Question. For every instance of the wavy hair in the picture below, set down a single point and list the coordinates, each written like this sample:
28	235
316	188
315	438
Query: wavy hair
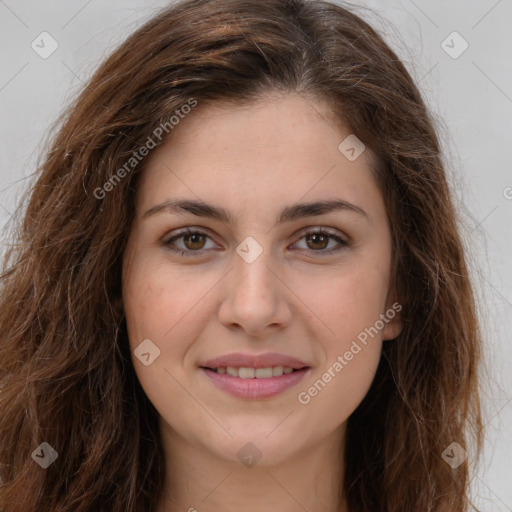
66	374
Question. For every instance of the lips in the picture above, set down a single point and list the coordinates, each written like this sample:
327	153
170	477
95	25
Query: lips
255	376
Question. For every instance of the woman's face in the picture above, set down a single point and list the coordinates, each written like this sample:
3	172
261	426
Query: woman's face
251	290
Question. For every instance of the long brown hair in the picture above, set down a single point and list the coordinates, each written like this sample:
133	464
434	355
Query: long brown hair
66	374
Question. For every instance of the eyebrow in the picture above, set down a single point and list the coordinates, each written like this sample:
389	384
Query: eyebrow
288	214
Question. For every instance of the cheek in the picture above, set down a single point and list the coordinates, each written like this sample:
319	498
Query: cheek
351	307
361	298
158	307
159	301
360	302
346	301
166	305
146	302
351	358
342	385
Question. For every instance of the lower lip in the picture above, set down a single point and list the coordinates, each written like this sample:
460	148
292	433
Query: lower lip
255	388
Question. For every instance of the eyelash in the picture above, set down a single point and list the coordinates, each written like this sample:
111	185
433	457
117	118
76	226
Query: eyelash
317	231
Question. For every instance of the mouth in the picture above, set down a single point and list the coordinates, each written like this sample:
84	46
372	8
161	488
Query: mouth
254	377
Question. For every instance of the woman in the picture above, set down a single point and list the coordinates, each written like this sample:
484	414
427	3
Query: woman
239	281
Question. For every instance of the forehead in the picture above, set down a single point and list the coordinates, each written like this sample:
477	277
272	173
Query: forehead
279	149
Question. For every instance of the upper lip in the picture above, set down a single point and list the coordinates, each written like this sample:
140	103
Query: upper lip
266	360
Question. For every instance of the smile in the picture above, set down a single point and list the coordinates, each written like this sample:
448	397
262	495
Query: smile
245	383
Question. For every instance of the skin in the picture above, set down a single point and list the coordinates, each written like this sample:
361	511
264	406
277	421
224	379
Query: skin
294	299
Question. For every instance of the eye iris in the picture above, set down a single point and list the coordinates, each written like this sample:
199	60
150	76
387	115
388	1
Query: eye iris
195	237
318	238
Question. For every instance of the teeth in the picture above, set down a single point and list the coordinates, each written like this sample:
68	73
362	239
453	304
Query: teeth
246	373
276	371
263	373
254	373
232	371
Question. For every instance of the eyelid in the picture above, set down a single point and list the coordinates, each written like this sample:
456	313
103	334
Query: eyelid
323	230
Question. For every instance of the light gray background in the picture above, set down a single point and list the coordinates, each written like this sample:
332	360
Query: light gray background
471	97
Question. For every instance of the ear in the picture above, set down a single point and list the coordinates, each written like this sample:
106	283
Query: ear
393	319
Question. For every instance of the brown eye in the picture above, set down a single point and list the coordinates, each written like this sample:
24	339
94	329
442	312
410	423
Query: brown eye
188	242
196	241
193	243
317	241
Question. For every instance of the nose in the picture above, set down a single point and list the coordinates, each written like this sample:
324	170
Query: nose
256	298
